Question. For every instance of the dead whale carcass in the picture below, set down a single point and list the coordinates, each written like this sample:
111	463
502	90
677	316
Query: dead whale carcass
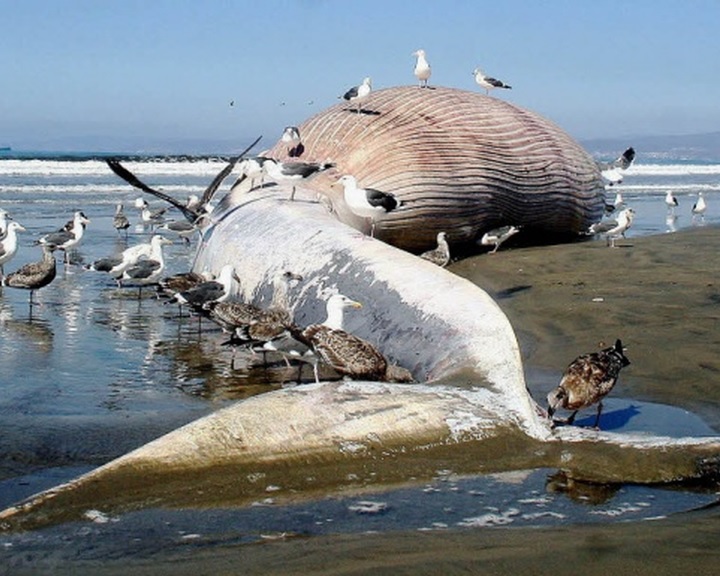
459	162
470	410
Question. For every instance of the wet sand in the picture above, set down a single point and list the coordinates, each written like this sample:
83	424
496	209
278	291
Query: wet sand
660	295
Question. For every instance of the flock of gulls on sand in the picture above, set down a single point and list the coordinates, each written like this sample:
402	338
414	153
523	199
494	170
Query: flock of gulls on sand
586	381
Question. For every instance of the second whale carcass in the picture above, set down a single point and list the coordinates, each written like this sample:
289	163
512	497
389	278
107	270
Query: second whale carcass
460	162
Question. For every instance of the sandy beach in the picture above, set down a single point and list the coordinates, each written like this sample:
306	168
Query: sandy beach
660	295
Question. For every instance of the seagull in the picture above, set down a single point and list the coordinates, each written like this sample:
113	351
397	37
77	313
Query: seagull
34	275
488	82
115	266
149	217
68	237
120	221
587	380
216	290
346	353
359	93
670	201
422	68
182	228
149	270
293	171
699	207
367	202
180	282
4	217
612	172
291	137
498	236
618	200
441	254
9	244
614	228
251	168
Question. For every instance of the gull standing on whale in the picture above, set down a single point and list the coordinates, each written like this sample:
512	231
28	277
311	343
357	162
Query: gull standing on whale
422	68
488	82
359	93
367	202
293	171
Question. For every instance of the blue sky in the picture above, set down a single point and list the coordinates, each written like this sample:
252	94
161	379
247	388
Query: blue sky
79	74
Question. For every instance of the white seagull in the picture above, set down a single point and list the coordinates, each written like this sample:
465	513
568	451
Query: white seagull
251	168
367	202
670	201
699	207
488	82
498	236
614	229
359	93
68	237
293	171
612	172
4	217
422	68
9	245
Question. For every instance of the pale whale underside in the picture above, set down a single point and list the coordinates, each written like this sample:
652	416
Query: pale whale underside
470	410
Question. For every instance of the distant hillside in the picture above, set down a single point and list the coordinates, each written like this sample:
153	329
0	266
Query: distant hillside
704	147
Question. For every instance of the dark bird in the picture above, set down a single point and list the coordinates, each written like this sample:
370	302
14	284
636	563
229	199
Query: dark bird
587	380
439	255
367	202
9	244
359	93
293	171
180	282
215	290
34	275
190	214
347	354
498	236
120	221
488	82
69	236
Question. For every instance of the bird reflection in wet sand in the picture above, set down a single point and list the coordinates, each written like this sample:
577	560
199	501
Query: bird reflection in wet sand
587	380
588	493
34	331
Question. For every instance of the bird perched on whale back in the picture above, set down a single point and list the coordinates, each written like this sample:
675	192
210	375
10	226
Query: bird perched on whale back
587	380
359	93
422	68
367	202
488	82
293	171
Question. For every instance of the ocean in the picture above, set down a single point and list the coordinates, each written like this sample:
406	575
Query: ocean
94	371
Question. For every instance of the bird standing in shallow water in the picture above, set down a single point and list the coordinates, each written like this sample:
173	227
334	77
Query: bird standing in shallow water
439	255
359	93
587	380
671	202
120	221
9	245
367	202
422	68
700	206
34	275
488	82
68	236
